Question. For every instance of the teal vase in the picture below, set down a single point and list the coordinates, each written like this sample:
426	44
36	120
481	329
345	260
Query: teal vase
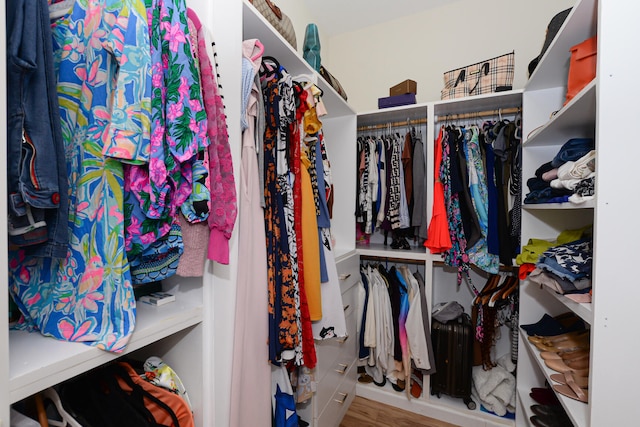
311	48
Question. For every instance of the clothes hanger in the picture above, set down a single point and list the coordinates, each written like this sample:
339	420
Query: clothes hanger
40	410
489	287
307	78
260	47
60	9
269	68
502	292
67	419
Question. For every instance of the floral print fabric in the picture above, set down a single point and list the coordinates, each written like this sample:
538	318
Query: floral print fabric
156	190
101	54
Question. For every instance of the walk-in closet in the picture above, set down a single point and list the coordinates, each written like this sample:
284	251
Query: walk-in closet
508	217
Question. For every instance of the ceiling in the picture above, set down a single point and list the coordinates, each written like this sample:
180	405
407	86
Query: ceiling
341	16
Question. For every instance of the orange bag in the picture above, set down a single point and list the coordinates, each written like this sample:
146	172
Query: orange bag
582	67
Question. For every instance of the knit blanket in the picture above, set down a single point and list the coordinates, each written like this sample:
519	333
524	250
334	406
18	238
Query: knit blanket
495	389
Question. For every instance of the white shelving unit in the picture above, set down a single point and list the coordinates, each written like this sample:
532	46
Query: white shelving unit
440	281
595	112
547	125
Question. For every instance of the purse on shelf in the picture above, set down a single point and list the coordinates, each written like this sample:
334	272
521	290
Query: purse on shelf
552	30
277	19
333	82
491	75
582	67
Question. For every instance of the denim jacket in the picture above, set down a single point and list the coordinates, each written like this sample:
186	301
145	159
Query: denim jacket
36	166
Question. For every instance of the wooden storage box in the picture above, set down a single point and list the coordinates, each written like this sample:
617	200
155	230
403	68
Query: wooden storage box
407	86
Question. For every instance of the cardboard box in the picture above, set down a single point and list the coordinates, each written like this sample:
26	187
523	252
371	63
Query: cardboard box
407	86
394	101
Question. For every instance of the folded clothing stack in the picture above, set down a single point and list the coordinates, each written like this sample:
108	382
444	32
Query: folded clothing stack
566	268
568	177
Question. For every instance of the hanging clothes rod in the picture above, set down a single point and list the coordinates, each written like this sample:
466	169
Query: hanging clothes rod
393	260
449	117
392	124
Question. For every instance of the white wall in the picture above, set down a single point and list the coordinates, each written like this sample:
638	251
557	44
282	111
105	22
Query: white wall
423	46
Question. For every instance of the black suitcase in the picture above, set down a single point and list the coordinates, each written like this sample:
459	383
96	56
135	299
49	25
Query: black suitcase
453	351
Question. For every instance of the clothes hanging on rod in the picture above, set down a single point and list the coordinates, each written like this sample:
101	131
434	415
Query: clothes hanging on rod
476	166
135	167
394	329
301	267
391	196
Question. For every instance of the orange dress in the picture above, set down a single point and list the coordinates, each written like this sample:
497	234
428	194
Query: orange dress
438	238
310	242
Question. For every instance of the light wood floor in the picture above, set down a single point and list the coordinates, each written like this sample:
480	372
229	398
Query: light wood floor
368	413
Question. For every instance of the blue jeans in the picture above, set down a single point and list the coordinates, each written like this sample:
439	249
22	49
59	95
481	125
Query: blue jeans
37	174
572	150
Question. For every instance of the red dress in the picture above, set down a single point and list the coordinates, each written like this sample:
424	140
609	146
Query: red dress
438	238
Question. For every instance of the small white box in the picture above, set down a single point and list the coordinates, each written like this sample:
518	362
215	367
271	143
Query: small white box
158	298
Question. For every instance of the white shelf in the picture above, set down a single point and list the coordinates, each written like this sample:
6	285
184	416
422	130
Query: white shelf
577	411
445	408
486	102
37	362
584	310
382	251
590	204
574	119
393	114
255	26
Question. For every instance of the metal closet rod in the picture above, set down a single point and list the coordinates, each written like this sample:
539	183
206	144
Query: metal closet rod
392	124
458	116
391	259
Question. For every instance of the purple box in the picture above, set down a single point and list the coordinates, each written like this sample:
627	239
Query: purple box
394	101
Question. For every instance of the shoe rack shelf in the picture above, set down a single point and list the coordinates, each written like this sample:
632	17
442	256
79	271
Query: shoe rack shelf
547	124
577	411
584	310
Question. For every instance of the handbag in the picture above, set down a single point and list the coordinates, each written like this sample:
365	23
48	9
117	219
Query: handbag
491	75
277	19
333	82
552	29
582	67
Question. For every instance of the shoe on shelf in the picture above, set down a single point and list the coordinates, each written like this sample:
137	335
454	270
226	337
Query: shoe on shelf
564	355
544	396
565	345
582	382
548	410
550	326
553	339
551	421
572	391
578	367
416	383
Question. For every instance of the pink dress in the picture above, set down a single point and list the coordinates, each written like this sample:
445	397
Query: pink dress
251	370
